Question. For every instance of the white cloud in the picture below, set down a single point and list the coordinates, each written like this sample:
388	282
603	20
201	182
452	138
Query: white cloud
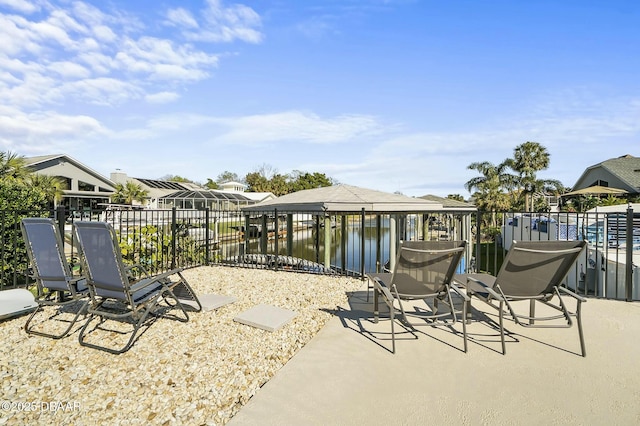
296	126
181	17
225	24
69	51
104	33
48	131
162	97
21	5
68	70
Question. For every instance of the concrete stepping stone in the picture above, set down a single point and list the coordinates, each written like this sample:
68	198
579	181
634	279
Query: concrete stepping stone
266	317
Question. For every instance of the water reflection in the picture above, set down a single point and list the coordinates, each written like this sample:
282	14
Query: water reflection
351	243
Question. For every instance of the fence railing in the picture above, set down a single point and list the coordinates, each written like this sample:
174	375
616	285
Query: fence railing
609	268
351	243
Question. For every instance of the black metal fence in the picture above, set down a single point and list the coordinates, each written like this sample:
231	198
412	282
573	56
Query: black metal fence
352	243
609	268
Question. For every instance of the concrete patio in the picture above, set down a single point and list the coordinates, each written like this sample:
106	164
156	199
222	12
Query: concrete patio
347	375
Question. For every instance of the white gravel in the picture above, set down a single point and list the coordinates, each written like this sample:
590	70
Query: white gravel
200	372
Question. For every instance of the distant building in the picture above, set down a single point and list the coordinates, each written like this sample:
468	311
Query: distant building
84	187
621	173
164	194
233	186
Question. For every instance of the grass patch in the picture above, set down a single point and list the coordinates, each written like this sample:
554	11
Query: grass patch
491	257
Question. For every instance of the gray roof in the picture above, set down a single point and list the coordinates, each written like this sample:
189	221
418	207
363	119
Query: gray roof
207	194
345	198
449	203
41	162
625	168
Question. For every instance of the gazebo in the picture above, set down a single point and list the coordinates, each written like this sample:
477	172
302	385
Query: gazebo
346	199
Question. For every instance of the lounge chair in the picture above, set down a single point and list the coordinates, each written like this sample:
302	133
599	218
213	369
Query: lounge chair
114	295
49	268
532	271
422	270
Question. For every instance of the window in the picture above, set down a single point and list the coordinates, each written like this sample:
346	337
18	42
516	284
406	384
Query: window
83	186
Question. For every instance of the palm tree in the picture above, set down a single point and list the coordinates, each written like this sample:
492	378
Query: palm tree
490	195
129	192
13	166
528	159
51	186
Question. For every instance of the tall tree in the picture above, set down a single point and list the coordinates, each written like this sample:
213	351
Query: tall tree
51	186
490	188
528	159
13	166
304	180
128	193
211	184
227	176
456	197
256	182
176	178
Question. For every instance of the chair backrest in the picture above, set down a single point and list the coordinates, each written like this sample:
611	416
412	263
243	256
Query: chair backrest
432	264
534	268
102	260
45	251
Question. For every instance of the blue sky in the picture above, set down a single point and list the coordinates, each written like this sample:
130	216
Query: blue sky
394	95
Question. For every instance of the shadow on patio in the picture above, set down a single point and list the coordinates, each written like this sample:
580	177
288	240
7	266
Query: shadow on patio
347	374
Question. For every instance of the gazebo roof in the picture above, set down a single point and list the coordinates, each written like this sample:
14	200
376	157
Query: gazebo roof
346	198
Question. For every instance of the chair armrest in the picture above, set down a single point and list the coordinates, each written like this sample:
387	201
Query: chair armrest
379	285
572	294
460	292
45	278
139	267
484	286
145	282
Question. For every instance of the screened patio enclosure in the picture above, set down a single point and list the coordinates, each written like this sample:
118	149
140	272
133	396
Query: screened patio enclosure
204	199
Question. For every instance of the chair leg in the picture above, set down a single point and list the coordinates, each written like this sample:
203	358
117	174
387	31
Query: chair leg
393	334
53	336
376	312
501	315
464	324
127	346
580	332
178	304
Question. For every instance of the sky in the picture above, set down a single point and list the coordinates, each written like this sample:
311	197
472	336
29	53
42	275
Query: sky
393	95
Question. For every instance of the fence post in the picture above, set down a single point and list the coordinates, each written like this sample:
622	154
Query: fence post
628	276
478	242
276	225
60	219
207	248
174	235
362	244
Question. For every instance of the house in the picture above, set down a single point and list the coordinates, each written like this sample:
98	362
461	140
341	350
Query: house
621	173
85	188
164	194
155	188
238	187
233	186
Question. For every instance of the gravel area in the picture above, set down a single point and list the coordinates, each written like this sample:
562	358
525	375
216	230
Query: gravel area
199	372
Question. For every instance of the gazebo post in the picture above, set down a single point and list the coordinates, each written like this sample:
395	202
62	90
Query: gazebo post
392	241
327	241
343	242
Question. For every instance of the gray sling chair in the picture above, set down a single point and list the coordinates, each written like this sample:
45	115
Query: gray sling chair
114	295
423	269
532	271
49	268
